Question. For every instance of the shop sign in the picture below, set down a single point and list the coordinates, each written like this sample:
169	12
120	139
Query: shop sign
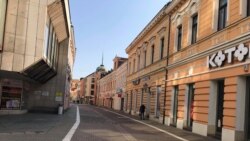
217	60
45	93
59	97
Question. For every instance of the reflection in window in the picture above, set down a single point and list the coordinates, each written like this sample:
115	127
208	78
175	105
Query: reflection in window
222	14
51	45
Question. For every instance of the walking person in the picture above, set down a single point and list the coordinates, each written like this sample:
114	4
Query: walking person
142	111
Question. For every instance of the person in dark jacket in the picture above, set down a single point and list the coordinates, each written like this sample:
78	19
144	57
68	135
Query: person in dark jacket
142	111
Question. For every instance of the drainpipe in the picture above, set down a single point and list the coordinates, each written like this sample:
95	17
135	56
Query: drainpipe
166	76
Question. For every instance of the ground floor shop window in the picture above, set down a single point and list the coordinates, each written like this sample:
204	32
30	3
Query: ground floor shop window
157	105
11	98
247	124
190	107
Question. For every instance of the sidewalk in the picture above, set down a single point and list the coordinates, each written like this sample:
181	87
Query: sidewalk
36	126
178	132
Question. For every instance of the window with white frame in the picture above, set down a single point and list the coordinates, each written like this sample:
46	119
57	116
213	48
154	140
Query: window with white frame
222	15
3	7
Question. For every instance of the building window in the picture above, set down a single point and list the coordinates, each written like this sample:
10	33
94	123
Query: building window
92	92
162	48
92	86
248	7
194	29
138	65
152	53
222	14
145	58
134	65
179	37
3	7
129	70
51	45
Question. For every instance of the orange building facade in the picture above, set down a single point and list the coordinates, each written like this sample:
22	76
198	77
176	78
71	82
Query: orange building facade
207	85
204	73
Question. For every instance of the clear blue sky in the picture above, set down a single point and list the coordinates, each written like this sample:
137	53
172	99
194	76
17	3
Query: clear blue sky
107	26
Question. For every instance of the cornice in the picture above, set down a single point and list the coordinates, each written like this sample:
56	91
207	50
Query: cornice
159	16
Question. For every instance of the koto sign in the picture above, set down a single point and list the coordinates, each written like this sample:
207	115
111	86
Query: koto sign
229	55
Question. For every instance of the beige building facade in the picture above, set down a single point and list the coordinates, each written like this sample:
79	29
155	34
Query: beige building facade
112	85
37	53
121	78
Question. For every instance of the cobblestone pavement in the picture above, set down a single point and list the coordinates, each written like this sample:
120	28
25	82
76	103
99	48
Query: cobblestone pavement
98	124
36	126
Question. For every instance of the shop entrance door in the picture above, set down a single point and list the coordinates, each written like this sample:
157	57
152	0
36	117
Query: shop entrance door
190	106
219	111
175	105
122	103
247	135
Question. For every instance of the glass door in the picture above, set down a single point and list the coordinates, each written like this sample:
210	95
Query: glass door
220	102
122	104
190	106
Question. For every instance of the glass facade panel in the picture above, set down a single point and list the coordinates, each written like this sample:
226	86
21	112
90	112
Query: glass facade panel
3	7
51	46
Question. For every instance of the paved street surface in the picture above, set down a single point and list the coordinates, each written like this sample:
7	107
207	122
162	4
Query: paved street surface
99	124
36	126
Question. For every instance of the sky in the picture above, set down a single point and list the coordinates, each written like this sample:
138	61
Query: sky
108	27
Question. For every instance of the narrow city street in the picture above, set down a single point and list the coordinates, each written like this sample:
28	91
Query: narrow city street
101	125
98	124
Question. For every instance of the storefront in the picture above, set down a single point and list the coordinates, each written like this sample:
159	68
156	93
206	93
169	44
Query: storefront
213	98
11	94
